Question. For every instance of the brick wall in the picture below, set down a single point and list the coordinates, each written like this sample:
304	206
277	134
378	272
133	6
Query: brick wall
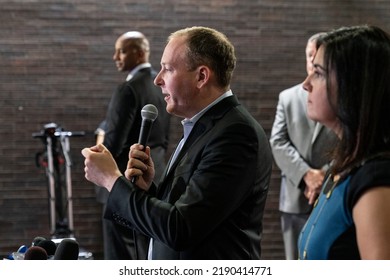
56	66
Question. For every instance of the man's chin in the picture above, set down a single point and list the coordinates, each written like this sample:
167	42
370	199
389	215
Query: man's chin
170	109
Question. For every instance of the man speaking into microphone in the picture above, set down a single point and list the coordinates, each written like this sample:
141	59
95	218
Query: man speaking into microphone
210	201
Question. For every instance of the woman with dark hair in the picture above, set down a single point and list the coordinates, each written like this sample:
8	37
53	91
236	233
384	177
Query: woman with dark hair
349	92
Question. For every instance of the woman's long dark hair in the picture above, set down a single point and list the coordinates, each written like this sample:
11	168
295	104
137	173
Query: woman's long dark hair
359	57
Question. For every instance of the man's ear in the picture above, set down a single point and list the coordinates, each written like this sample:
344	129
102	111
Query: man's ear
141	56
203	75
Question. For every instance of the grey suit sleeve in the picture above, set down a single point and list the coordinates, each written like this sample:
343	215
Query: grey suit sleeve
286	156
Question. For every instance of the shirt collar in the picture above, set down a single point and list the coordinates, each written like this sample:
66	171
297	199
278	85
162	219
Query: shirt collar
201	113
136	69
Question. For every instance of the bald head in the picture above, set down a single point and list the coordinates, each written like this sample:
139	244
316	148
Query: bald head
137	39
131	49
133	34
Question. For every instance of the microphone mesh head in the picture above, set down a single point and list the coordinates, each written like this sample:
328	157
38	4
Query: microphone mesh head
37	240
68	249
149	112
49	246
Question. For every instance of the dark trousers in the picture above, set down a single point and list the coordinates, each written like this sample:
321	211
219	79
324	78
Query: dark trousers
122	243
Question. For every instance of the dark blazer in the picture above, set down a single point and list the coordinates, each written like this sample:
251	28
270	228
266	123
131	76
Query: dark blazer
123	120
122	127
210	204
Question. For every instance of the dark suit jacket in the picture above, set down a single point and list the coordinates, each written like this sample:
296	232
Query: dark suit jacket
123	122
210	205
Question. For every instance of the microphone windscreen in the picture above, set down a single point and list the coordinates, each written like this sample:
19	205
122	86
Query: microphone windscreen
68	249
35	253
37	239
49	246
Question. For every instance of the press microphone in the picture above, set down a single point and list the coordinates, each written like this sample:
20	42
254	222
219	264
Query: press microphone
37	239
19	254
35	253
49	246
68	249
149	114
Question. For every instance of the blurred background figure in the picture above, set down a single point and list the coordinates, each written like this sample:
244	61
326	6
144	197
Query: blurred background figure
121	129
299	146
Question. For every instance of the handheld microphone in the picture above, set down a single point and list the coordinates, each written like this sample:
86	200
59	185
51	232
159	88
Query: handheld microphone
35	253
149	114
68	249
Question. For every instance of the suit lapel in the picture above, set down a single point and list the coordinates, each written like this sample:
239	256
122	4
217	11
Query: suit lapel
317	130
204	124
